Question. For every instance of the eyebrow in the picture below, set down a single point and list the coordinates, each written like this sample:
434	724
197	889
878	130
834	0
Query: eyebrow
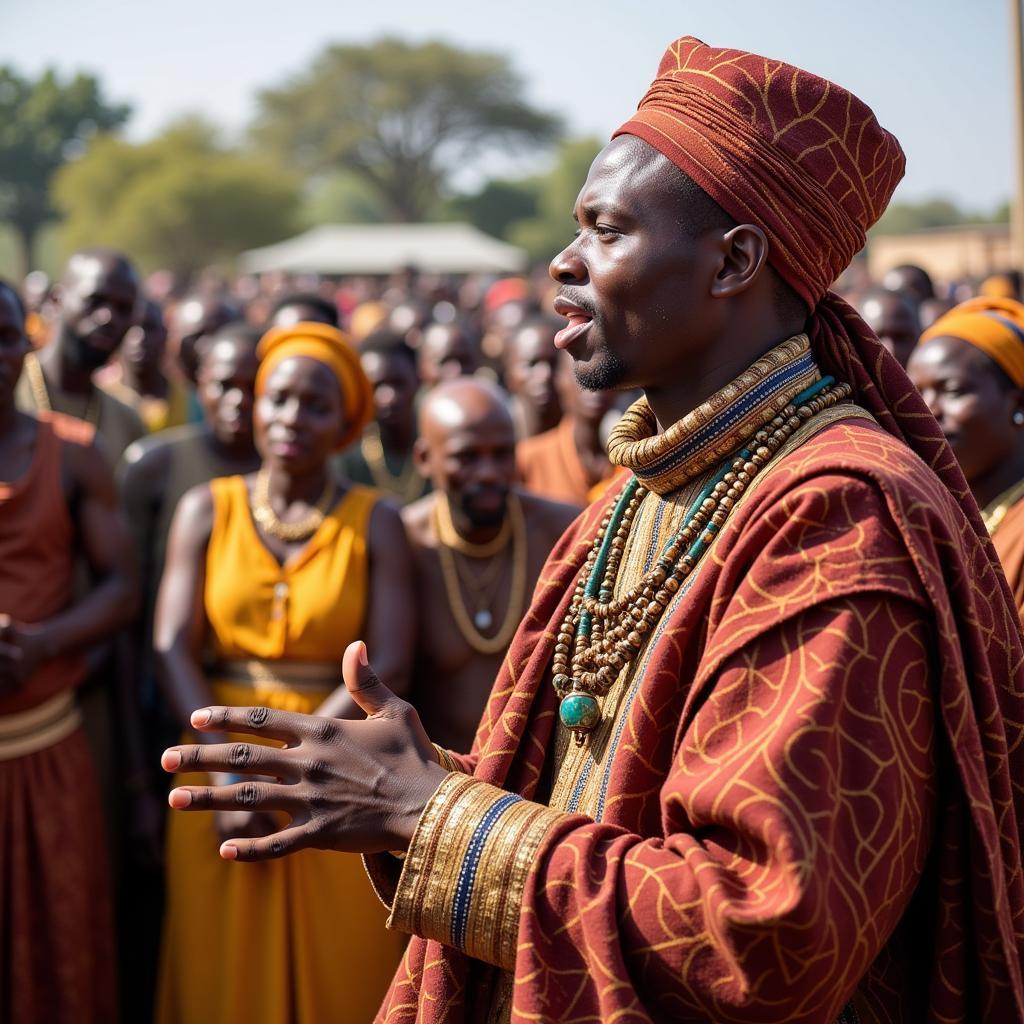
593	210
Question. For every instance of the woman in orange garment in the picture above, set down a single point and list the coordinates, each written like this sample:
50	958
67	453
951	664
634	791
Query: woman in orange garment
268	579
969	368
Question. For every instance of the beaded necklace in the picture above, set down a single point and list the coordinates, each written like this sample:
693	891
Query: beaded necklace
601	635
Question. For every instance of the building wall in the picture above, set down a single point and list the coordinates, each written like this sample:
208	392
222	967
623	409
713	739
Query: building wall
970	251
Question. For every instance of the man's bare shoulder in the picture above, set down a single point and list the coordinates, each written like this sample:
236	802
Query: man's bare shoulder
550	518
417	517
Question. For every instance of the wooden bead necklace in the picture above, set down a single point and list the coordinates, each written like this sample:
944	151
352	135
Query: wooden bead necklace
601	635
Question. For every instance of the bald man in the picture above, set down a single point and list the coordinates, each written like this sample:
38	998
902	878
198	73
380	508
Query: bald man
95	304
893	316
478	548
914	282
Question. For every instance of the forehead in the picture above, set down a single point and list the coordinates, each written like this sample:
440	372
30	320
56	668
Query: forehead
890	308
534	341
630	175
947	356
226	355
492	430
90	275
385	364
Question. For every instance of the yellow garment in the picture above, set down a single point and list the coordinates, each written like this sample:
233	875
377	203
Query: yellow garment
329	346
998	286
996	326
300	940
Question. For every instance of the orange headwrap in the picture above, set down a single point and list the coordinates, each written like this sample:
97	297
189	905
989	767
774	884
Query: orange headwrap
329	346
996	326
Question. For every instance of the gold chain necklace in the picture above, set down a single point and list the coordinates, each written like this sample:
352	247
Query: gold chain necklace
451	538
517	591
41	394
406	485
264	514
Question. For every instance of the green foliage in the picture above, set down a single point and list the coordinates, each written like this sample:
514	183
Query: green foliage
180	202
402	116
43	124
546	233
906	218
497	205
344	198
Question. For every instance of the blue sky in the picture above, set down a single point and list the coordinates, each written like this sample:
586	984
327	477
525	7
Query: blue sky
937	72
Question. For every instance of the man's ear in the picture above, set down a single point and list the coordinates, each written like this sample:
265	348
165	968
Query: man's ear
744	253
421	457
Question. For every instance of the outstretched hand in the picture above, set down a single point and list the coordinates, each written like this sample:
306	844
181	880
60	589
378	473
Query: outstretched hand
356	786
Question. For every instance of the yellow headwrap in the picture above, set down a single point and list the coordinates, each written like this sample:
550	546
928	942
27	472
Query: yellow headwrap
998	286
996	326
329	346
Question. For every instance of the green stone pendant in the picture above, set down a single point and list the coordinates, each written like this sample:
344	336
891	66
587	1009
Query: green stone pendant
579	713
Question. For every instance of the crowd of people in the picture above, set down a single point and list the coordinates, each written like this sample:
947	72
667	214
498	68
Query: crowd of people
207	498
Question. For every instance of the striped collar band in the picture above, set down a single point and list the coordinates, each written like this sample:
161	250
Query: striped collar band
716	428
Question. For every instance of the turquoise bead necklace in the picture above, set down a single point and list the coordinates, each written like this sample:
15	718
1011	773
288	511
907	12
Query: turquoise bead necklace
601	635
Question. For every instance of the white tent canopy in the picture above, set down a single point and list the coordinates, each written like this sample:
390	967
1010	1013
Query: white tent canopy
385	248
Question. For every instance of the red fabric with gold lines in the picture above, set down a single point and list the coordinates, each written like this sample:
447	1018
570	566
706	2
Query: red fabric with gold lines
810	804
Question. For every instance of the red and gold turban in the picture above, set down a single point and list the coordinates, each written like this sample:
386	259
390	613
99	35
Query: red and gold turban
329	346
807	162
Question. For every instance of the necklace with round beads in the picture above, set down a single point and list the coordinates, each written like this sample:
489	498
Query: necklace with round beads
602	635
268	520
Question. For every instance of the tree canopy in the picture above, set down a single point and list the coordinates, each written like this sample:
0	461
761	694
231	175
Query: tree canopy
180	201
43	124
404	117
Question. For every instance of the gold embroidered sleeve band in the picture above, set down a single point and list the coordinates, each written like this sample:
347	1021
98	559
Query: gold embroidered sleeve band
463	878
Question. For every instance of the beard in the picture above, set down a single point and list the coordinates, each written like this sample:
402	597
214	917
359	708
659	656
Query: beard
482	517
604	372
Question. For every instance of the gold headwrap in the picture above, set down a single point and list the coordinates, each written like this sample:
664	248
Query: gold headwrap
996	326
329	346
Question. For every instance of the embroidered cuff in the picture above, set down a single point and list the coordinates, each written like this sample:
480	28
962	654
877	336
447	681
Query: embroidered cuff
463	877
445	759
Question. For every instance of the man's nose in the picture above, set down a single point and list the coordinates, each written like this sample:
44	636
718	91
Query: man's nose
567	267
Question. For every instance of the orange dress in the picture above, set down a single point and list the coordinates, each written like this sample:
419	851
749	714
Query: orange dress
299	940
56	925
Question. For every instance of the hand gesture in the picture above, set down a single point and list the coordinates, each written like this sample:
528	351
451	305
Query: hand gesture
357	786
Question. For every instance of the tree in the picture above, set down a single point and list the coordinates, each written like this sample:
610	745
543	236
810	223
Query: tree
904	218
43	124
547	233
180	202
498	205
403	116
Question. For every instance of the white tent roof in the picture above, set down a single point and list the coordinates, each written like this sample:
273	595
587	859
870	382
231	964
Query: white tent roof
385	248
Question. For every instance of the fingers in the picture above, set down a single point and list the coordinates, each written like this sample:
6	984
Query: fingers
277	725
242	796
289	840
229	757
364	685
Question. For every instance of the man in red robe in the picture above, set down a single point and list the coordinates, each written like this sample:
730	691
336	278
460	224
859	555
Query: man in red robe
755	752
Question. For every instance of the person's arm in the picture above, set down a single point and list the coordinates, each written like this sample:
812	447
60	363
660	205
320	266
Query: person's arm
390	629
113	599
179	624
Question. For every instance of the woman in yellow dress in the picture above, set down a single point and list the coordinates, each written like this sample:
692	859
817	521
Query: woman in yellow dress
268	579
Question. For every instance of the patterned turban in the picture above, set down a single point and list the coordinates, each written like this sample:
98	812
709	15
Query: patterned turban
808	163
329	346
